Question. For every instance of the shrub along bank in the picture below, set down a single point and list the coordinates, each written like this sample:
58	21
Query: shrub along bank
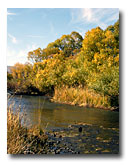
74	70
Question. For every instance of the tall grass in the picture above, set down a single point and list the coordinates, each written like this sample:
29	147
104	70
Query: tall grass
80	96
22	140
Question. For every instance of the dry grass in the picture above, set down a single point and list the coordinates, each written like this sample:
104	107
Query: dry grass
21	140
80	96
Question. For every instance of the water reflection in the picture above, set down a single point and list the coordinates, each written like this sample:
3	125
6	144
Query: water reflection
50	115
100	128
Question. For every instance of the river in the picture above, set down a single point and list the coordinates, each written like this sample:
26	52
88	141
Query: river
100	128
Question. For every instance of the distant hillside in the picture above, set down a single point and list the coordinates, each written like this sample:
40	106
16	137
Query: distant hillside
9	69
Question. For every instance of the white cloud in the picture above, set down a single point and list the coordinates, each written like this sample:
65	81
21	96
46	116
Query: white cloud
13	39
97	16
9	13
10	53
20	56
87	14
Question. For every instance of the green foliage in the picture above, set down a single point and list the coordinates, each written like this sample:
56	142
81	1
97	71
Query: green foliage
68	44
49	73
9	76
22	77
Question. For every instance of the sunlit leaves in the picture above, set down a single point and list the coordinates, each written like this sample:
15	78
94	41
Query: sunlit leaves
92	63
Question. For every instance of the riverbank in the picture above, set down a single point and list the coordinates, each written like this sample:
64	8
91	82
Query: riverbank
79	138
22	140
84	98
83	139
77	97
50	99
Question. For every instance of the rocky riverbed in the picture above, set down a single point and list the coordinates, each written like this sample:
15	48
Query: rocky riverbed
82	139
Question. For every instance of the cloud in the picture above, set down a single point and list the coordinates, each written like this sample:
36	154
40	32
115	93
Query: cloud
87	14
13	39
14	56
96	16
10	14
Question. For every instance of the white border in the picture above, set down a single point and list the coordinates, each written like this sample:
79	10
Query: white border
74	160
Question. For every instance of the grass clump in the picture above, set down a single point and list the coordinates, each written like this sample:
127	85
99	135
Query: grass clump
80	96
22	140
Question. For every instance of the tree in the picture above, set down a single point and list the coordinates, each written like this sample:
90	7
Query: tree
78	39
22	78
35	55
68	43
92	43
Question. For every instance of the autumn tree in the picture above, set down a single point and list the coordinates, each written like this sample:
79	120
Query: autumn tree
22	78
92	42
91	63
101	51
68	43
35	55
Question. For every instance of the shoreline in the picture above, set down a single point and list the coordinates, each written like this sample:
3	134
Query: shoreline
116	109
50	98
83	139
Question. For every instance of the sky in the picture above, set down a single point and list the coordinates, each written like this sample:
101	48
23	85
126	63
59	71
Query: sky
31	28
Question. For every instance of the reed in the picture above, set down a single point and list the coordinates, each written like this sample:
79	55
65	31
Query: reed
80	96
22	140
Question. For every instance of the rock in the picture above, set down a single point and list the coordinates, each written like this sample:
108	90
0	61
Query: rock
60	136
58	142
80	129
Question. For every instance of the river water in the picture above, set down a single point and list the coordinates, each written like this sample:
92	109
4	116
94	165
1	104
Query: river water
101	126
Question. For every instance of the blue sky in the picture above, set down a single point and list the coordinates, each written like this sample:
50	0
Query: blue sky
31	28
